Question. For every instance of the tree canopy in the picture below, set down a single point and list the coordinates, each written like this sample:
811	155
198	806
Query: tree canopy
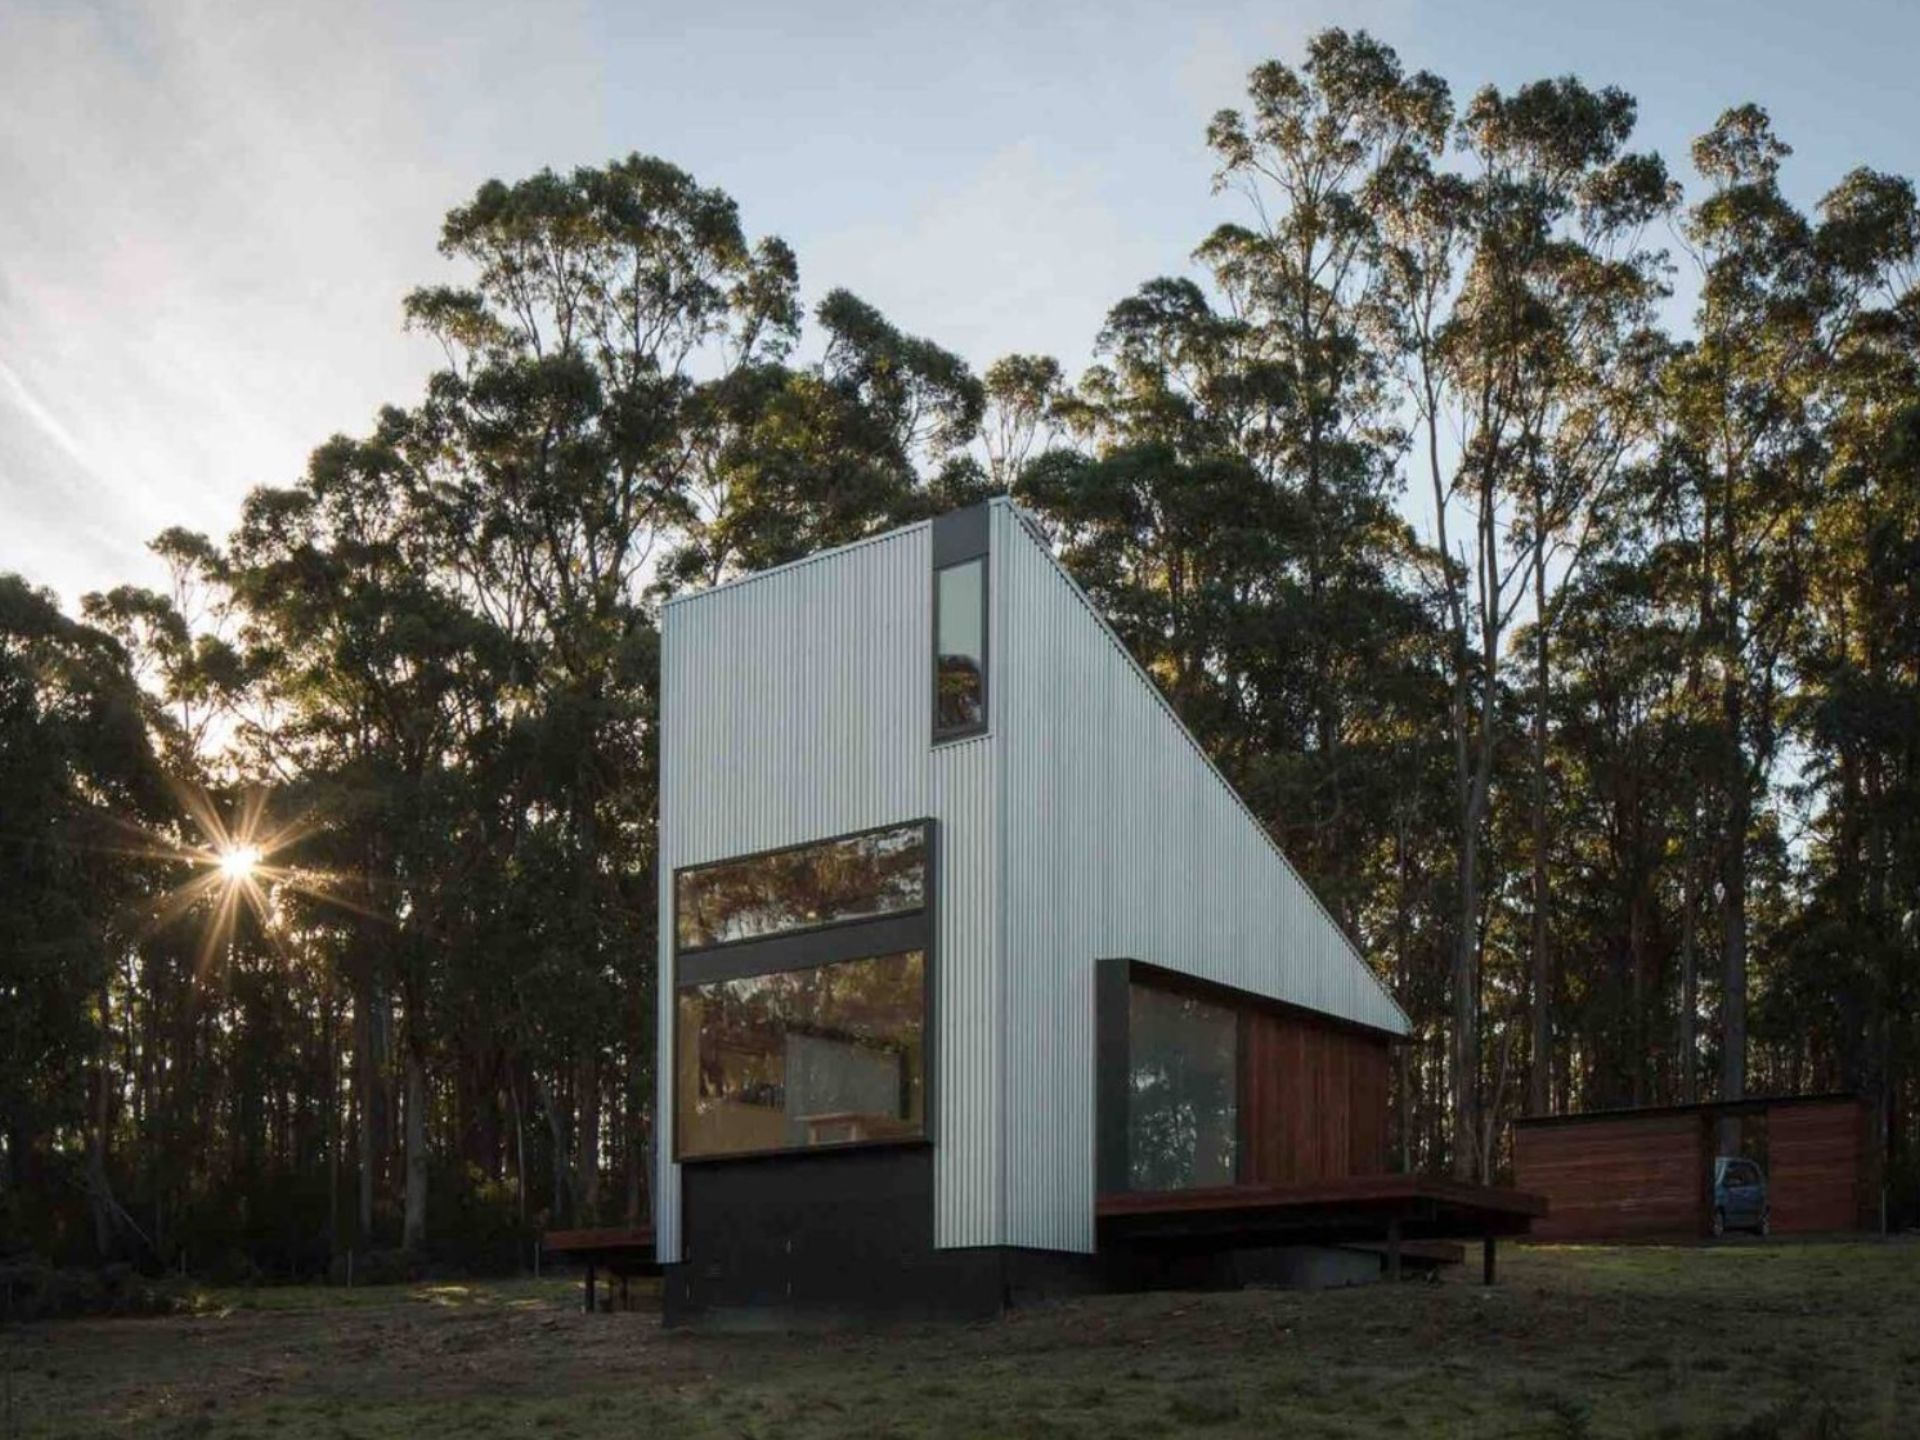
1568	643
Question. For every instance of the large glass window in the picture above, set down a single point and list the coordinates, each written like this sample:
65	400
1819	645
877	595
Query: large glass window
831	1055
960	648
859	877
1182	1090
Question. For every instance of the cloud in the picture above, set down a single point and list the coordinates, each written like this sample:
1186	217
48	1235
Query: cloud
217	211
212	212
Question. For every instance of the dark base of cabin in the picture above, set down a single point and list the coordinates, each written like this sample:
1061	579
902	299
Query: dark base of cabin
819	1239
806	1240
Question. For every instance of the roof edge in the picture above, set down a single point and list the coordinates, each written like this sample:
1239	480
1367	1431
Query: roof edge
815	558
1040	542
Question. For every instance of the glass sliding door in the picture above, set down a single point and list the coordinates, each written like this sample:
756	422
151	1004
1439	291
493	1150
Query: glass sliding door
1183	1112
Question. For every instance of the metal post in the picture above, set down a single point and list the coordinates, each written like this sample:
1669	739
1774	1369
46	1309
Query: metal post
1486	1259
1393	1250
588	1307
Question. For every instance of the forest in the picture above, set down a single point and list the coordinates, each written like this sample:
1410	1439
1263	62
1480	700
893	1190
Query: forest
1527	524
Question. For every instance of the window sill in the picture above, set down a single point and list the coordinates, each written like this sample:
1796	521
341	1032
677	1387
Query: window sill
791	1152
955	737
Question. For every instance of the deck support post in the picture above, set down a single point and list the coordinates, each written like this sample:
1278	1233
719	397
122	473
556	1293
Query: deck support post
625	1304
1393	1251
1486	1258
588	1304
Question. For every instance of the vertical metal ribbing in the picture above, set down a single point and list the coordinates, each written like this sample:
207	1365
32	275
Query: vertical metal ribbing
1121	840
797	705
1084	824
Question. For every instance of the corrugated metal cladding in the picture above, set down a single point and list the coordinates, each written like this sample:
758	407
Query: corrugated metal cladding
1085	824
798	705
1122	840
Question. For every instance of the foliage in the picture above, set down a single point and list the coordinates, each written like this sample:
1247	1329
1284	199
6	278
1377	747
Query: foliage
1575	663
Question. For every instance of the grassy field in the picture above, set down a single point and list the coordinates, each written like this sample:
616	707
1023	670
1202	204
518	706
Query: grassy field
1741	1340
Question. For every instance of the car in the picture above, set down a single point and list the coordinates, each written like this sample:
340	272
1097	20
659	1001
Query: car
1739	1196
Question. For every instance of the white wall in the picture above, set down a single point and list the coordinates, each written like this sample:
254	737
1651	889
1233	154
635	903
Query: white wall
797	704
1085	824
1122	840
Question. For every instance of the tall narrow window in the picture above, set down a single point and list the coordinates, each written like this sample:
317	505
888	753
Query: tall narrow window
960	649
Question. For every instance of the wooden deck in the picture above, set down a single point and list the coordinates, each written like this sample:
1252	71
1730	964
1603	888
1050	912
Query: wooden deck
1390	1209
622	1251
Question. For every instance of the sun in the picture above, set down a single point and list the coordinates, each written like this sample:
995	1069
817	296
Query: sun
238	863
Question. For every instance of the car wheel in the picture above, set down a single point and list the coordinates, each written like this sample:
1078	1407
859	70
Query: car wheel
1719	1223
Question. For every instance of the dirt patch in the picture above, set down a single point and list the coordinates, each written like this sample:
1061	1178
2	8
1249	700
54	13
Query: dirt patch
1743	1340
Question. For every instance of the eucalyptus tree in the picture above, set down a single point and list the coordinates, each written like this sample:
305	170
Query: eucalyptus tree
1023	395
1744	458
1855	653
560	451
1314	409
1518	303
1583	356
1155	508
77	770
180	644
795	458
364	660
1625	746
1228	493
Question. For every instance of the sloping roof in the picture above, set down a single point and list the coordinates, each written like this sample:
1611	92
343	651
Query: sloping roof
1255	830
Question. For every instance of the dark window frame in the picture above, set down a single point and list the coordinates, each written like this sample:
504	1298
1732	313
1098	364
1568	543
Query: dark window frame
807	948
961	537
942	734
924	1135
1114	980
925	825
1113	1059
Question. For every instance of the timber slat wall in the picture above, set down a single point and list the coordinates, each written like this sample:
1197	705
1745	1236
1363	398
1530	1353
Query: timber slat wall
1816	1166
1643	1175
1315	1098
1633	1178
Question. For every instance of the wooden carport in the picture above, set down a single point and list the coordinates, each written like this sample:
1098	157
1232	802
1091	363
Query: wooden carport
1647	1174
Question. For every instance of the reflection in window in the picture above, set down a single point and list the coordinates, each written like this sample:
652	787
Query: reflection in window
883	872
960	647
1182	1094
831	1055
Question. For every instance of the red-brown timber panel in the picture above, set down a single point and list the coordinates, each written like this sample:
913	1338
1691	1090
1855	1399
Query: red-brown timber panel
1315	1099
1814	1155
1639	1178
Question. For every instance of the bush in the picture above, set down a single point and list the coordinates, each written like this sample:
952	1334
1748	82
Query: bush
31	1289
378	1267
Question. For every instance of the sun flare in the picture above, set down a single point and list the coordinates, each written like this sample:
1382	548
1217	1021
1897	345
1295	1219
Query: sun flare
239	862
239	865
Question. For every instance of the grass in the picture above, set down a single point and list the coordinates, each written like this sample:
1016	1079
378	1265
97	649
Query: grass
1748	1340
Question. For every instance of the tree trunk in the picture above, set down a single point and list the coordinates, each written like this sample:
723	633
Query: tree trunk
1687	1063
557	1128
1733	917
1465	1061
1540	1077
99	1191
519	1141
369	1054
587	1186
414	1229
331	1126
1637	1000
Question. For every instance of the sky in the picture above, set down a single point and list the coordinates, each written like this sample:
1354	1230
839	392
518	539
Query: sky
210	213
